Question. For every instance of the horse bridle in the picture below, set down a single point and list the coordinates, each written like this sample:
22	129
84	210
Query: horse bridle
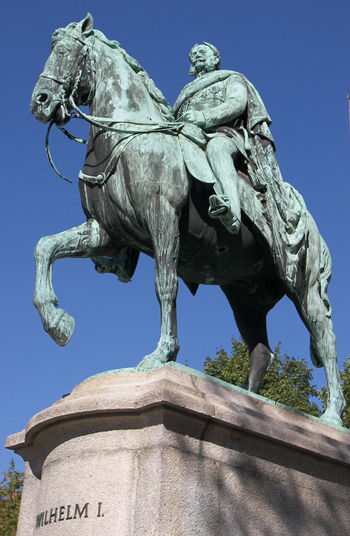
66	98
67	83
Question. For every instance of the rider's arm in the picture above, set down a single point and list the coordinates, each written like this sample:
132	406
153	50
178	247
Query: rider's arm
234	105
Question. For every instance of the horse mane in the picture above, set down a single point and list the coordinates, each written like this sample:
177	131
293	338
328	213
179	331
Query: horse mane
155	93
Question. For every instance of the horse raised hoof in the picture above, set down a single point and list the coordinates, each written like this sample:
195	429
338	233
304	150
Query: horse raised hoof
61	327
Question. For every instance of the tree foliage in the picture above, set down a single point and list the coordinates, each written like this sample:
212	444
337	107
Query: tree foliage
288	380
10	499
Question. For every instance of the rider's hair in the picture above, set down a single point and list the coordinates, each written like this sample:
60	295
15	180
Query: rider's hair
213	49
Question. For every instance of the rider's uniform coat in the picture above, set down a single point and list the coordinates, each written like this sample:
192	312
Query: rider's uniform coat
215	95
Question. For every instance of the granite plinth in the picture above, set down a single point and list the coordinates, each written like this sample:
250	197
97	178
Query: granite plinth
172	452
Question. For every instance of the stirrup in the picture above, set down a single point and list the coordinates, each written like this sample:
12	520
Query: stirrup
217	206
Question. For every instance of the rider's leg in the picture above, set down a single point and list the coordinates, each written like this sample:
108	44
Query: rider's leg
221	152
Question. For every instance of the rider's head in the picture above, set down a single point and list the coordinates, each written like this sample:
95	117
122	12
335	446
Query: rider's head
204	58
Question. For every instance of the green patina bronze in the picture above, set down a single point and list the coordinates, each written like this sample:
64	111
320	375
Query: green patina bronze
197	187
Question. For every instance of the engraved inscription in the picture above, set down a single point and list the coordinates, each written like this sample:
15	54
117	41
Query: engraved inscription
67	513
99	508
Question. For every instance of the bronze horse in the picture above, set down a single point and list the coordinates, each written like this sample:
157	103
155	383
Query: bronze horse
145	203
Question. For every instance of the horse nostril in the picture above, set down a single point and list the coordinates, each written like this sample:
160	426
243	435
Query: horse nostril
41	98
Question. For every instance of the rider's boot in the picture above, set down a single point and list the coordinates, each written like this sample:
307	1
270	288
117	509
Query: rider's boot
221	208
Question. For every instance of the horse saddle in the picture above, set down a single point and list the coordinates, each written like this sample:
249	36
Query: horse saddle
99	166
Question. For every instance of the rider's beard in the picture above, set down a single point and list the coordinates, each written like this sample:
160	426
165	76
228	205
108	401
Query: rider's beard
208	67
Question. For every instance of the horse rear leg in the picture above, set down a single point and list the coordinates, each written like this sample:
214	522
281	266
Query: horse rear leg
163	226
251	323
316	317
86	240
323	343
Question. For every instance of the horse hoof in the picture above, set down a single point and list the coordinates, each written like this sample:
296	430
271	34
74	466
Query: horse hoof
331	419
61	328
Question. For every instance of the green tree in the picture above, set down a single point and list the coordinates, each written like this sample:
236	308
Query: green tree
345	379
10	499
288	380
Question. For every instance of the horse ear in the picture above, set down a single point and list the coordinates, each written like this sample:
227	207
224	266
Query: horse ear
87	24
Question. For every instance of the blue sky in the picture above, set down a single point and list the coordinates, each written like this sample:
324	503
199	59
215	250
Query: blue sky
295	53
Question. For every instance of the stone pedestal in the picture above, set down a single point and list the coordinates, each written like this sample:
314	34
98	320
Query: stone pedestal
173	452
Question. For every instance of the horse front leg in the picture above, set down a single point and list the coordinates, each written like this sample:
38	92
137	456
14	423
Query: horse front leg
86	240
163	225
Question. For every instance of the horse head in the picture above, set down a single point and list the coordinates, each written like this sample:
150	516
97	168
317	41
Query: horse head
66	73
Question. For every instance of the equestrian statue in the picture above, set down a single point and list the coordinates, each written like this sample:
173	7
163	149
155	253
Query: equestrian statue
196	187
